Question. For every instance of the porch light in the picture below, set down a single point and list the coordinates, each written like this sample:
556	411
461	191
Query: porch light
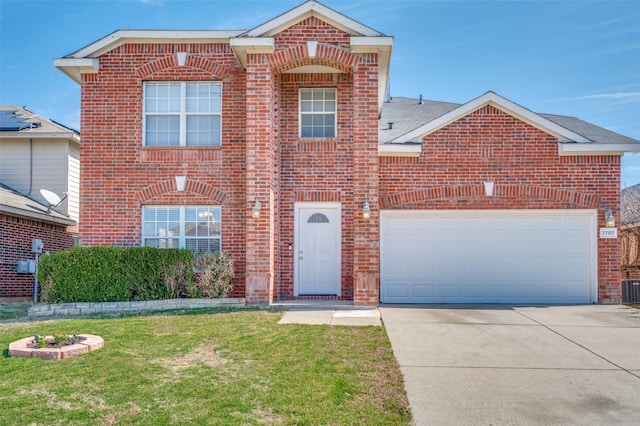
255	211
609	219
366	210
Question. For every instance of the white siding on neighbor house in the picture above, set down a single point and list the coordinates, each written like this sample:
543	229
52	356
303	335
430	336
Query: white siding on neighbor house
14	164
44	165
74	182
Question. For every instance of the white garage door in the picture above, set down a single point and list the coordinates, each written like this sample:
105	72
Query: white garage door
488	256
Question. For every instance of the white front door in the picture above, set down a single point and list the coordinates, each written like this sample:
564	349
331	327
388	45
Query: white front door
317	251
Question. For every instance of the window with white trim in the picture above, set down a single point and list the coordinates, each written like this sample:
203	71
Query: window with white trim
318	113
192	227
182	113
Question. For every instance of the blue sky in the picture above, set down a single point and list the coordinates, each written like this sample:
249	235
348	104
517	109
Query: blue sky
578	58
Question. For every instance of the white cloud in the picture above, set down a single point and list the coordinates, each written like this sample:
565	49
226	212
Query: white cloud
619	95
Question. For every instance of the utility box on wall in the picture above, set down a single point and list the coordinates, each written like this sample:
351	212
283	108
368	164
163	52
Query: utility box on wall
26	267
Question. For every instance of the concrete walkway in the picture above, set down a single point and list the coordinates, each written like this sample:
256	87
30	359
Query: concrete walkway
330	312
498	364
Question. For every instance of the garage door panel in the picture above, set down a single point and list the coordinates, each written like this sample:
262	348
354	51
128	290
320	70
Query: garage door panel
494	257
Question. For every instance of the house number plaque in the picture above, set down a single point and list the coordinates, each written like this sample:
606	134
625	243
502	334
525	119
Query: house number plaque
608	232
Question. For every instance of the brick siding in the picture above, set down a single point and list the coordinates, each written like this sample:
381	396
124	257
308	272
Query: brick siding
17	233
490	145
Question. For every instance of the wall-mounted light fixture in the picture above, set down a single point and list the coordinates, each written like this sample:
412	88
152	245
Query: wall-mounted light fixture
366	210
609	219
255	211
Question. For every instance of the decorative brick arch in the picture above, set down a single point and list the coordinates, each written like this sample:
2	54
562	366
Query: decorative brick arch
578	199
297	56
192	61
194	186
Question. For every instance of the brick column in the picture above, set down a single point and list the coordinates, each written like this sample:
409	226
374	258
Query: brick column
366	262
260	180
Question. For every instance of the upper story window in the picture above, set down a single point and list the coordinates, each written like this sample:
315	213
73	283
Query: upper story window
318	113
182	113
192	227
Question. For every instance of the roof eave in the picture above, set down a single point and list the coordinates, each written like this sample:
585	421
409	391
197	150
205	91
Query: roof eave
566	149
399	150
26	135
75	67
382	45
243	46
38	216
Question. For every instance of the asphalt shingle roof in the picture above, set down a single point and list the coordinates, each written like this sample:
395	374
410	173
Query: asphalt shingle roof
408	114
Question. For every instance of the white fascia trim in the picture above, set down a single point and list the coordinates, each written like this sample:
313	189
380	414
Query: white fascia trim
241	46
27	135
305	10
399	150
120	37
565	149
38	216
75	67
490	98
371	44
381	45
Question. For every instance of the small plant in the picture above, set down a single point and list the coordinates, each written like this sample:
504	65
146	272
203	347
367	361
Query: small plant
57	341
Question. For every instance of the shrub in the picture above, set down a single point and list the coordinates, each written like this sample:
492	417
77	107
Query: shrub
214	274
113	274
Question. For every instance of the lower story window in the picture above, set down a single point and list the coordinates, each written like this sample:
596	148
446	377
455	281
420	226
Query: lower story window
192	227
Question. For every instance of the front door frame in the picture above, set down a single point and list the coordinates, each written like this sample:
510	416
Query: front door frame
311	205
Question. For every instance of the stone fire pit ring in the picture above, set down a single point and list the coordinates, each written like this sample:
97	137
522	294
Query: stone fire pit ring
23	348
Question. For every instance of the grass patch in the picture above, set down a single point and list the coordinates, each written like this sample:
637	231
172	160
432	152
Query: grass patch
234	368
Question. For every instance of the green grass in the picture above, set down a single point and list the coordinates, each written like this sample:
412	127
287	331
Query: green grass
234	368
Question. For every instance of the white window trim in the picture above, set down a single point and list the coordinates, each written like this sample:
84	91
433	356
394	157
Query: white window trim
335	113
182	238
183	113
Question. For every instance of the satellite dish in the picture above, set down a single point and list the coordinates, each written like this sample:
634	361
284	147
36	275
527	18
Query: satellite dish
51	197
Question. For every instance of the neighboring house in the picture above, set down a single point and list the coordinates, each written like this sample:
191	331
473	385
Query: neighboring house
276	144
22	220
630	231
37	153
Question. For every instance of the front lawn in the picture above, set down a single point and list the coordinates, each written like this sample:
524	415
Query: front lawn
234	368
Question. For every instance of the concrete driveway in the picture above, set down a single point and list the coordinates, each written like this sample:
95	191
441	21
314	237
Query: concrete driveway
499	364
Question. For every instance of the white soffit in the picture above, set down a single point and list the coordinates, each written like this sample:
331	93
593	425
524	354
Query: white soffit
86	59
399	150
74	68
490	98
597	149
121	37
306	10
242	46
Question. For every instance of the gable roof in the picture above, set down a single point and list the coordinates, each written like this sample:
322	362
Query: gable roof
258	40
306	10
20	123
630	205
14	203
413	121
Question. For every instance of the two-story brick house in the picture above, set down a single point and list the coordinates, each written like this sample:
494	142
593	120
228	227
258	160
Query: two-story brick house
275	144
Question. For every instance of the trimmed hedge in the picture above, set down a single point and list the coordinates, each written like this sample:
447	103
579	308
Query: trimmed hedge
117	274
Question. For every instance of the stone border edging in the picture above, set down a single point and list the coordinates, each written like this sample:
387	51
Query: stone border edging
89	308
